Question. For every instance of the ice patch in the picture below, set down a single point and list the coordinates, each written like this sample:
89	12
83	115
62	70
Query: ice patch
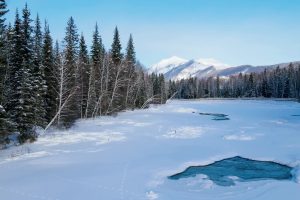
225	172
151	195
187	132
239	137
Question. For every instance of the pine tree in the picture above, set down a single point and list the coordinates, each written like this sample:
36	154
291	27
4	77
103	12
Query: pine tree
6	71
116	48
250	86
26	116
96	78
292	76
27	40
162	92
278	84
172	90
40	88
51	75
71	111
286	89
155	84
38	42
116	76
21	104
16	62
97	48
218	87
61	77
130	59
130	52
3	52
141	95
265	85
83	75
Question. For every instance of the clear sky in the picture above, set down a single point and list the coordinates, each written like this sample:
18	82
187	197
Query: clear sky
235	32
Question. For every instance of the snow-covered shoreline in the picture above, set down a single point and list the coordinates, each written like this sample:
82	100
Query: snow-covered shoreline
130	156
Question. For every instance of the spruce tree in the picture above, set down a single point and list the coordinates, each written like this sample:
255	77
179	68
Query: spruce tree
3	52
116	56
218	86
38	42
97	48
83	76
116	76
141	95
130	62
51	75
61	79
26	116
16	62
71	111
39	90
27	40
116	48
162	92
286	89
278	84
250	86
6	71
21	104
265	85
96	79
130	52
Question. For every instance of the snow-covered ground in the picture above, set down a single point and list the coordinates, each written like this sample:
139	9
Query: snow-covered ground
131	155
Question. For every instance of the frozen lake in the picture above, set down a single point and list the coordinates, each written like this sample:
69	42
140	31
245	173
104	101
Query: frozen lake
132	155
242	169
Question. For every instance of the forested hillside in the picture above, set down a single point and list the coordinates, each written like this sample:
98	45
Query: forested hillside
47	83
276	83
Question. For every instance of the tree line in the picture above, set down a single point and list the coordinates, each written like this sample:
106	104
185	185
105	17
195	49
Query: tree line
275	83
45	83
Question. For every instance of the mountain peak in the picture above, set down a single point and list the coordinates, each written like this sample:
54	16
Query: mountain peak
167	64
177	68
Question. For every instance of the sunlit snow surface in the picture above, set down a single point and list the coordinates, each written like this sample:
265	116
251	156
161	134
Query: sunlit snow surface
131	156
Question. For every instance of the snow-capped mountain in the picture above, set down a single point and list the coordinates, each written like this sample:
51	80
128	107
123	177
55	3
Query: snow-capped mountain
167	65
176	68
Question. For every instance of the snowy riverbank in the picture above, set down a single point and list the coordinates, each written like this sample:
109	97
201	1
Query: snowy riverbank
130	156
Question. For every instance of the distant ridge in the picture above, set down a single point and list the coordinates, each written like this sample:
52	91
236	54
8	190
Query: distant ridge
176	68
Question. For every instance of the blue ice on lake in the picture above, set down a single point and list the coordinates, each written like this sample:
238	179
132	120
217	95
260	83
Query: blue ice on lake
221	172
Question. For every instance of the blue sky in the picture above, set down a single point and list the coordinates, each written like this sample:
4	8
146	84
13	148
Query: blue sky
235	32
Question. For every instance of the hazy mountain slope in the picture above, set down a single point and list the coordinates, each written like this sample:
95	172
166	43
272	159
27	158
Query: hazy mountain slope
176	68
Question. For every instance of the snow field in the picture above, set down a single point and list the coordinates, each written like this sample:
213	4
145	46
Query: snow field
131	155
